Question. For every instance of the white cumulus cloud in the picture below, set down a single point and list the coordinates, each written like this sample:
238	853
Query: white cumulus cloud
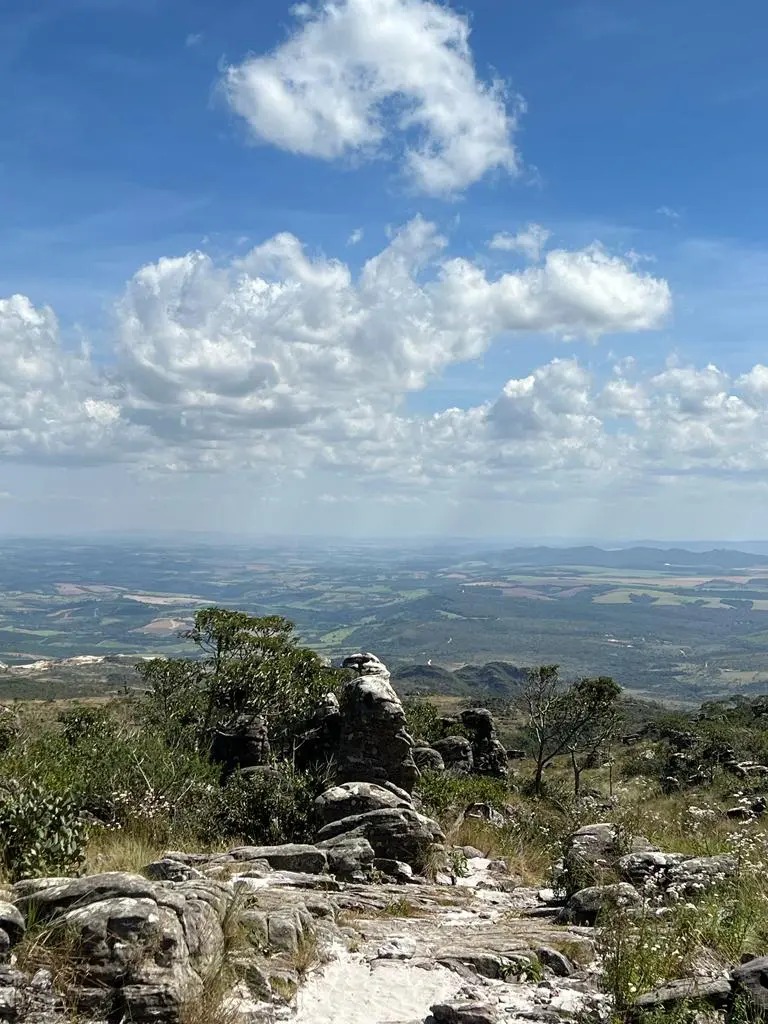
380	79
530	242
285	362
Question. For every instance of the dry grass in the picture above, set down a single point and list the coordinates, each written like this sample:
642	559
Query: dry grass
131	849
52	948
119	850
530	861
307	954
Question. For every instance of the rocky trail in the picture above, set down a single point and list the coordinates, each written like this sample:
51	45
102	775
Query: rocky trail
378	921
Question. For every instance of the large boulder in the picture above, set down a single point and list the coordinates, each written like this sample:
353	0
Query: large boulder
592	854
349	857
374	744
674	876
695	876
488	754
246	745
456	752
428	759
395	833
352	798
584	907
681	993
289	857
141	948
750	981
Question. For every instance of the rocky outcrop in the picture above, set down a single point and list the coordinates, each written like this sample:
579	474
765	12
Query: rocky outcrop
428	759
353	798
456	752
350	858
673	876
488	754
592	854
139	949
244	746
371	808
374	744
584	907
395	833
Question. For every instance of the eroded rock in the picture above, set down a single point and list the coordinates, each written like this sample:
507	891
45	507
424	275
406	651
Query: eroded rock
374	743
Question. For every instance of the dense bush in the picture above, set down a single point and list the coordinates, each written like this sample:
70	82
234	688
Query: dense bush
119	775
245	666
41	833
267	807
446	794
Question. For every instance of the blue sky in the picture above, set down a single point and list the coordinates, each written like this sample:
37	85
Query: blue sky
137	132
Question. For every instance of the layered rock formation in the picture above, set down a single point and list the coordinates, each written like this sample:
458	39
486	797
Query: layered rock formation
374	744
376	772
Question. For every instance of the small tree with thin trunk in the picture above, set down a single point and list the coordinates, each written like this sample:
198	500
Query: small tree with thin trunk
596	705
562	718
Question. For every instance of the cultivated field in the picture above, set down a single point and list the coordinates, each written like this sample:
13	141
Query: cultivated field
678	625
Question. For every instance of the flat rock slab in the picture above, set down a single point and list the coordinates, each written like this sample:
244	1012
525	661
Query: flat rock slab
716	992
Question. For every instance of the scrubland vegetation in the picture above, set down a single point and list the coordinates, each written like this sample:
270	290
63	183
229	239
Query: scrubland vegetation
88	788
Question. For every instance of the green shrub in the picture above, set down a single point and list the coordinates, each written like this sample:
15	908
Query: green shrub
9	729
445	794
266	808
247	665
423	720
41	833
84	724
122	777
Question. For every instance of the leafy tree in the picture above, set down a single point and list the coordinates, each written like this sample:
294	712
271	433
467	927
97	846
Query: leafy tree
594	704
246	665
575	718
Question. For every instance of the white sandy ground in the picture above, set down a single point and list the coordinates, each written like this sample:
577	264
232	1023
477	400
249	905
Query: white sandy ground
381	992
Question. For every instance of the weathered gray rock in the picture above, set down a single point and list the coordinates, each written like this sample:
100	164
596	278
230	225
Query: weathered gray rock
592	854
374	743
246	745
289	857
168	870
356	798
11	922
695	876
366	664
484	812
428	759
556	961
348	857
585	906
397	870
715	992
463	1013
456	752
286	879
394	833
488	754
287	929
637	868
141	947
51	897
397	948
750	981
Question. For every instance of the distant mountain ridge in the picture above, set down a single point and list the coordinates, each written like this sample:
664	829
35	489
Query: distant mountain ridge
498	678
631	558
